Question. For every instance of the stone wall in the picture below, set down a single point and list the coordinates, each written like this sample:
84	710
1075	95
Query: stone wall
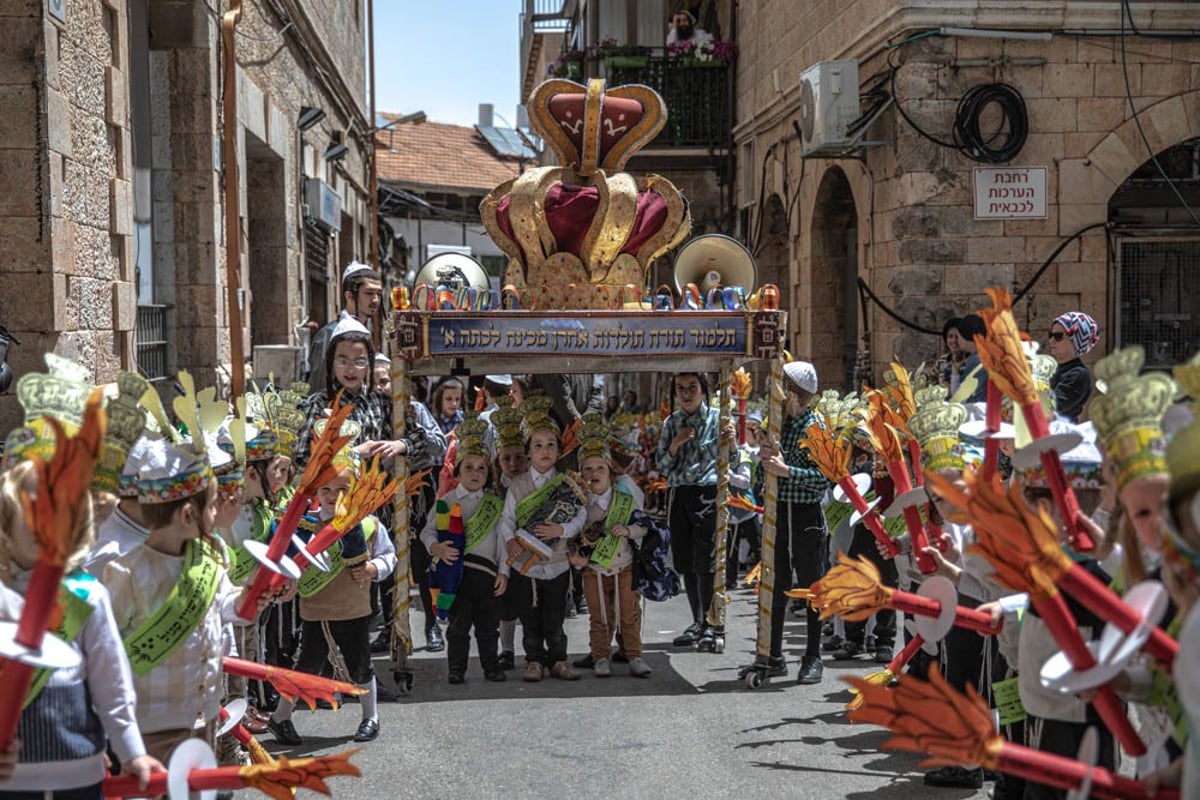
918	244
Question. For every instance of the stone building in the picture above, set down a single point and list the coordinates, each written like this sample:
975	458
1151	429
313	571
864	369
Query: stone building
896	209
113	204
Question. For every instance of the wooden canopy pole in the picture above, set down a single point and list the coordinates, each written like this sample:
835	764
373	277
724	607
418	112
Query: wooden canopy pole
233	228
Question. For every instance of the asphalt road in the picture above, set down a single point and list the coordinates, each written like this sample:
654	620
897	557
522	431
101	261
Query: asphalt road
691	729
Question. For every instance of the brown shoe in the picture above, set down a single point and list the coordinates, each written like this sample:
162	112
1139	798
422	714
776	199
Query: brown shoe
534	671
563	671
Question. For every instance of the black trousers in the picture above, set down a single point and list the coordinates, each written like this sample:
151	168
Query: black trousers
693	524
863	544
801	551
1062	738
543	606
418	560
748	530
353	639
475	605
964	653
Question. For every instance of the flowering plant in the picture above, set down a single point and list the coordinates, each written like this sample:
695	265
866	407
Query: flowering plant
610	46
569	63
721	50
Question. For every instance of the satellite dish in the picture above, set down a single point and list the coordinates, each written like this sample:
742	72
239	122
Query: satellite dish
808	110
715	260
453	270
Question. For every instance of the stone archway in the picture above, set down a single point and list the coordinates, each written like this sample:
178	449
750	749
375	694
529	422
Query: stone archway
833	311
771	259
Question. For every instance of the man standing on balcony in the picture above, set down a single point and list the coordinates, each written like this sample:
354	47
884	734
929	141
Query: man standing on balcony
683	29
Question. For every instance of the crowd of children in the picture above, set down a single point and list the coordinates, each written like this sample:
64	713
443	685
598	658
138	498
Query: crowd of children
185	505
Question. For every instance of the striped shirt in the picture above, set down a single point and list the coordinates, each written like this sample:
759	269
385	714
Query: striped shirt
184	692
695	462
804	482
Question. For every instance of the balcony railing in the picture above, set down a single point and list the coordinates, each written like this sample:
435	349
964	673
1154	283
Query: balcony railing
697	95
152	342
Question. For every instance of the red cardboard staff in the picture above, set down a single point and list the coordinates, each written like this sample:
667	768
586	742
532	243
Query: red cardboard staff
53	510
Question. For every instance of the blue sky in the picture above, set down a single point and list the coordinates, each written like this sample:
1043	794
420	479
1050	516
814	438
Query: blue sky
445	58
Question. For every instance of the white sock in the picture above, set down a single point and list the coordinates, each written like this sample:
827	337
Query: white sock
283	711
508	633
370	700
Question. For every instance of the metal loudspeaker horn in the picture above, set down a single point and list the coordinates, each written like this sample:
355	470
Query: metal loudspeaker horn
453	271
714	260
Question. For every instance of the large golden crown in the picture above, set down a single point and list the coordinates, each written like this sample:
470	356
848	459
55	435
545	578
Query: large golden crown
585	224
1128	416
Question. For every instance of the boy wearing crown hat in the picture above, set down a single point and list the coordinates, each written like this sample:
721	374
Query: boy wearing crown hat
125	527
485	568
511	460
172	598
605	554
362	295
547	509
335	606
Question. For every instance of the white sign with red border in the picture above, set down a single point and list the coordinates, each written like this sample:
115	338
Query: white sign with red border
1010	193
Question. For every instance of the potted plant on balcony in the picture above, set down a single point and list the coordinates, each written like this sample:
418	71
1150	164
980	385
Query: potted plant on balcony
621	56
569	65
708	53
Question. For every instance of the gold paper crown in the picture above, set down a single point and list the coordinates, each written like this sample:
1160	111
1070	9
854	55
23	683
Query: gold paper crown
1128	416
593	437
930	394
472	437
507	421
535	415
126	422
1183	453
935	426
60	393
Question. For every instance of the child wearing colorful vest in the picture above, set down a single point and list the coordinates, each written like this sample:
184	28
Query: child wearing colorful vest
544	509
605	553
335	609
478	557
70	712
172	599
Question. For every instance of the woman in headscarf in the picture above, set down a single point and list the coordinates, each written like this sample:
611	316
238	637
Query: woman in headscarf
1071	335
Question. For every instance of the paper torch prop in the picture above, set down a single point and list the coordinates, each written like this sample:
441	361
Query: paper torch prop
831	454
193	768
54	514
368	492
320	470
444	578
739	387
1004	358
289	683
881	424
931	717
1021	544
900	392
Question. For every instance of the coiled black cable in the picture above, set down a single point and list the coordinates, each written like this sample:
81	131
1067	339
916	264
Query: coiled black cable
969	135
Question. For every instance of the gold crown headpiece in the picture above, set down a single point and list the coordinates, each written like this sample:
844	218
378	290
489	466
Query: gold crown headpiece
1183	453
472	437
1128	416
60	393
507	421
935	426
593	437
126	422
535	415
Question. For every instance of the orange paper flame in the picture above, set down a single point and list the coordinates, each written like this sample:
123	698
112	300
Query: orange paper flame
295	685
901	394
281	779
320	469
830	453
1020	543
55	513
372	489
930	717
740	383
416	482
570	438
1001	353
880	423
851	590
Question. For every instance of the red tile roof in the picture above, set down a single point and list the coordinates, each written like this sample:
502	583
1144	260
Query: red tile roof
435	154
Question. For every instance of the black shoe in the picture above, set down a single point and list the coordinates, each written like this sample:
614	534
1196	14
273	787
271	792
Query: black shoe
572	613
285	732
367	731
506	660
883	654
811	671
225	794
689	637
581	606
385	693
833	644
457	676
382	642
495	675
848	651
955	777
827	629
584	662
434	643
707	643
619	657
776	667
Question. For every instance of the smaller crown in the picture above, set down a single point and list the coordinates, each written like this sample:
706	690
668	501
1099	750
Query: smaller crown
935	426
930	394
61	393
1128	416
593	437
507	421
126	422
535	413
472	437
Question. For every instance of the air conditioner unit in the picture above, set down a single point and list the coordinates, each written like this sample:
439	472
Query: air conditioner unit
828	104
324	206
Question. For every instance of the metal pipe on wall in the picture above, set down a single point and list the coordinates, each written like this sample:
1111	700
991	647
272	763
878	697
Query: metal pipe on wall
233	227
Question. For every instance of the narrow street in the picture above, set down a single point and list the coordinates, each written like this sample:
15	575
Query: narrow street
692	729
